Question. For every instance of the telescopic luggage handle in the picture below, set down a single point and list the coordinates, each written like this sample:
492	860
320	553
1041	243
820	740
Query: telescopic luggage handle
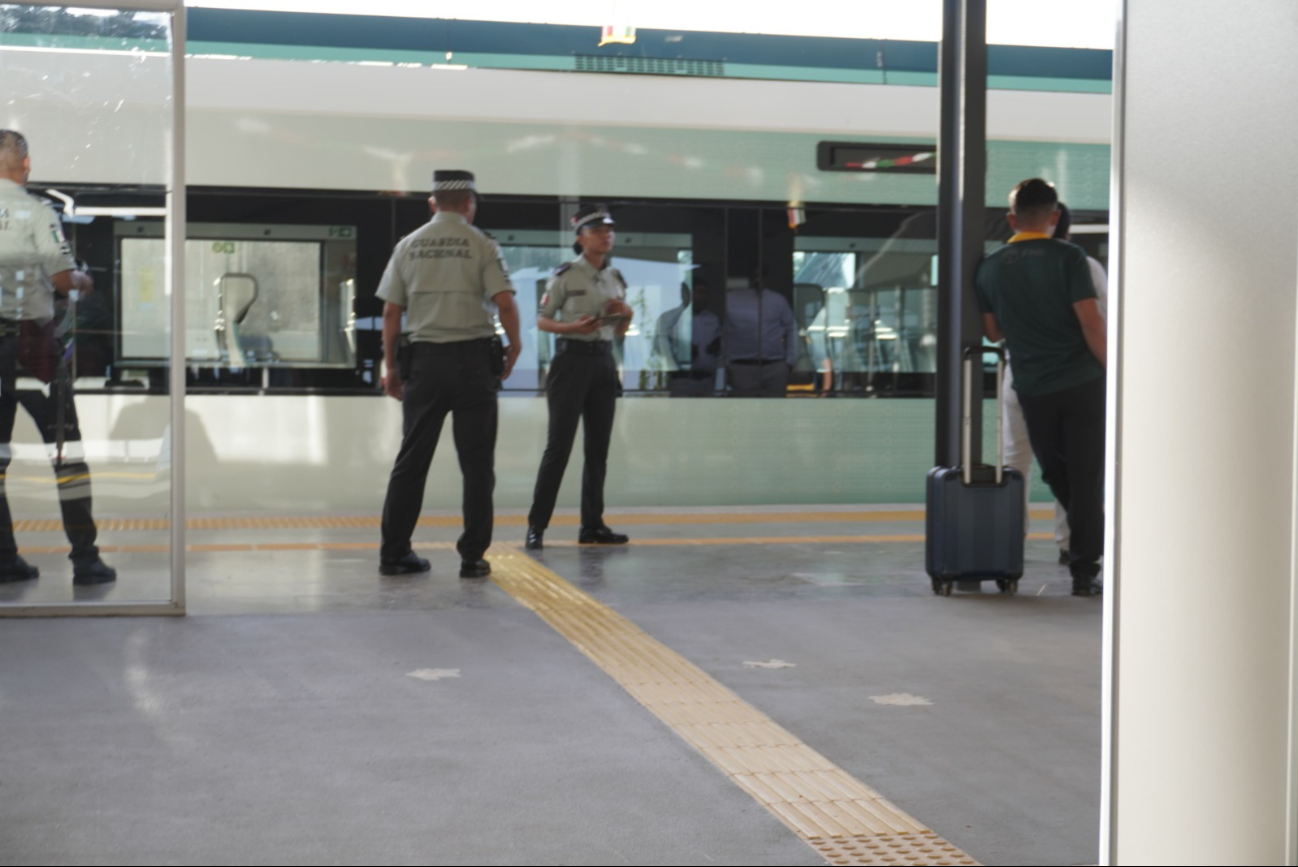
966	425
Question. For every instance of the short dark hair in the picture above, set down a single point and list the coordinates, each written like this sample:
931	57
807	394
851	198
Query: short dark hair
1065	222
453	198
1033	198
13	149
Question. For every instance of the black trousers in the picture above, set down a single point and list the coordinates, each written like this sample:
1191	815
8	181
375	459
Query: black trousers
758	379
582	386
1067	433
71	474
453	378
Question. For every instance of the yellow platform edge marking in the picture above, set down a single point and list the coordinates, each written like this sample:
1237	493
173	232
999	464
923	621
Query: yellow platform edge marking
843	819
347	522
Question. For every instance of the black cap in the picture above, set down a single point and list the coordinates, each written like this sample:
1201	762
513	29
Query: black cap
447	180
592	215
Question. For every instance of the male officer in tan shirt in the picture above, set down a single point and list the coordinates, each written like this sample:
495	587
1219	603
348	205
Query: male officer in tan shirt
448	280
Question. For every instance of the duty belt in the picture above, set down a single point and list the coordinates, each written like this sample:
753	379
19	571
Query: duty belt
456	346
585	347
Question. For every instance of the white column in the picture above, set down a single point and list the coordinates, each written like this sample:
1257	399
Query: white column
1202	434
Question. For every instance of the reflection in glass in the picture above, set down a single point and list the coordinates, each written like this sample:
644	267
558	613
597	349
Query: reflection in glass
866	308
759	338
657	269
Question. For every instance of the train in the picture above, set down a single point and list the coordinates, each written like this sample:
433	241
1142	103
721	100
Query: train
803	164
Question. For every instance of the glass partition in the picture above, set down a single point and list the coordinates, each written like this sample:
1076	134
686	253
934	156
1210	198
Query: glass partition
91	481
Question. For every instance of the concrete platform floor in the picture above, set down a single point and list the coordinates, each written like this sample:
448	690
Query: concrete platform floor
278	723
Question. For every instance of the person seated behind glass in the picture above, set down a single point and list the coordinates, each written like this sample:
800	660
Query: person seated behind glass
759	338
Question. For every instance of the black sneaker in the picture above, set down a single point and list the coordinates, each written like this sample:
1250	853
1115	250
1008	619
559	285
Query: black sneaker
407	565
17	569
601	536
474	568
534	538
94	571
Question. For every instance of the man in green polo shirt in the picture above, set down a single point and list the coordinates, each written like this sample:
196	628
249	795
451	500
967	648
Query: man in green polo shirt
1036	294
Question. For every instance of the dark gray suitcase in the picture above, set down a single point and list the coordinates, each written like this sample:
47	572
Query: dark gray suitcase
974	520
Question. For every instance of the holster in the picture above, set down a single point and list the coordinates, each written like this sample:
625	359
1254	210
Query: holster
38	352
497	356
405	356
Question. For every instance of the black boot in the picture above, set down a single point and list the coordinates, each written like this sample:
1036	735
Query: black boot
405	566
601	536
93	571
534	538
474	568
1086	580
15	568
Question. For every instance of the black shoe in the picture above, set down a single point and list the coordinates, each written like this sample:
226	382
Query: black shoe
17	569
534	535
405	566
1087	587
1063	557
601	536
1086	582
474	568
94	571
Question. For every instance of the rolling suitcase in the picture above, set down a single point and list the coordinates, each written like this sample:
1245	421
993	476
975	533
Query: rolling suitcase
974	521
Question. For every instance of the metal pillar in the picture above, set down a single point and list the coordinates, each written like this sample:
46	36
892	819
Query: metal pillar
961	215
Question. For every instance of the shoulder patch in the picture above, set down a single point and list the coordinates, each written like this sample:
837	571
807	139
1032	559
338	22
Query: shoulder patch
564	267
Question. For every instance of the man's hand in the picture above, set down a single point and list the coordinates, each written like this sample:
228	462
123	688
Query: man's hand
392	384
511	355
65	281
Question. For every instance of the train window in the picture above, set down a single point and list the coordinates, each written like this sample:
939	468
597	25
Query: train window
255	296
866	310
658	269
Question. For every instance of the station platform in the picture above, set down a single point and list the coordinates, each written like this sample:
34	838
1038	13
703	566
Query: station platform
736	686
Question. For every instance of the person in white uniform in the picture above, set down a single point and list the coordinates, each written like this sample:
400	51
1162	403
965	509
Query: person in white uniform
1018	450
36	263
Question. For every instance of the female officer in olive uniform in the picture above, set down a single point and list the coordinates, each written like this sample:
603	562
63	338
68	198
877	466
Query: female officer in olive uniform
585	306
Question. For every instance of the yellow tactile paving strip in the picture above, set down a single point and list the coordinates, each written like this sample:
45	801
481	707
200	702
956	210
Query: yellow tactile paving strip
842	818
345	522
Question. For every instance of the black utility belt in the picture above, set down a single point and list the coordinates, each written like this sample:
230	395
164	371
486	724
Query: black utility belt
584	347
758	362
453	348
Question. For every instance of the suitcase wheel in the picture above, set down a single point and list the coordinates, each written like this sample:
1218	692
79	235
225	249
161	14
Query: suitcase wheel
1008	586
942	588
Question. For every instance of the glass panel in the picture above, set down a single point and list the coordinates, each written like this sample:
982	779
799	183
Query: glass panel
91	92
867	309
658	271
256	296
